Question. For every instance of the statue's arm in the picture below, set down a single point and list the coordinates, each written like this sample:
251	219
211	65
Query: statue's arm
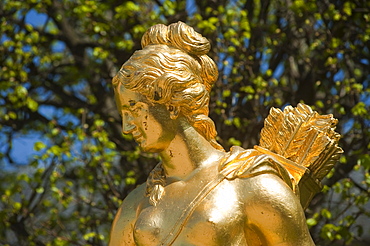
274	215
122	228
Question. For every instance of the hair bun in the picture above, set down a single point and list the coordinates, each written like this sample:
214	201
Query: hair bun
186	38
156	34
178	35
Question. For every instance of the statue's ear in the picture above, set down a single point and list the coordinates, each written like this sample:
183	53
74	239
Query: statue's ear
174	111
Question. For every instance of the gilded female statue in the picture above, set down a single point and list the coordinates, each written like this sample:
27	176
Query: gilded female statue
198	194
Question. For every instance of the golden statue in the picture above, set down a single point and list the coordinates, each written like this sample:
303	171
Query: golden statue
199	194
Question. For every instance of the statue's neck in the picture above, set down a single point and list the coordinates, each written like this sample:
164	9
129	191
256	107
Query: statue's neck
188	152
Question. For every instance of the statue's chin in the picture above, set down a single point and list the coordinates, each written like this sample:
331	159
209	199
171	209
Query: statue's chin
156	145
149	148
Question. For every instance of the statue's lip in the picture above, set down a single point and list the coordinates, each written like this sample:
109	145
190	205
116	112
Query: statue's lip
136	135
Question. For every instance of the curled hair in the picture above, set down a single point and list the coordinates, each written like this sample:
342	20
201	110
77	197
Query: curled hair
183	37
173	69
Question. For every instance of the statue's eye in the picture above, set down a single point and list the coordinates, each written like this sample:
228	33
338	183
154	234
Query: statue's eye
132	103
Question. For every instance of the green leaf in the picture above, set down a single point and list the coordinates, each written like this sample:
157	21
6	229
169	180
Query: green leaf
326	213
311	222
319	104
234	142
347	8
89	235
226	93
21	91
40	190
32	104
359	109
17	206
39	146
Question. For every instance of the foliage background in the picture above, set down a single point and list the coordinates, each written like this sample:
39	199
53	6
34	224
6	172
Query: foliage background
56	94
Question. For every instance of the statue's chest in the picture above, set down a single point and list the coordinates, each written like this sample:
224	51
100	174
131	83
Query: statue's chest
215	219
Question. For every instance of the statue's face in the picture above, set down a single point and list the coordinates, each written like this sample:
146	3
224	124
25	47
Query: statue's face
149	123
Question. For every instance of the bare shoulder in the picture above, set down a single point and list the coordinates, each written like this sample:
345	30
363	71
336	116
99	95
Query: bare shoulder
134	197
274	215
121	232
270	189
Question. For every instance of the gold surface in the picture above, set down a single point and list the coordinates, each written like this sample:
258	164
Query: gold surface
199	194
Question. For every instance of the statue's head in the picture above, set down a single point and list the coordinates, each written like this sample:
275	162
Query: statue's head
173	69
